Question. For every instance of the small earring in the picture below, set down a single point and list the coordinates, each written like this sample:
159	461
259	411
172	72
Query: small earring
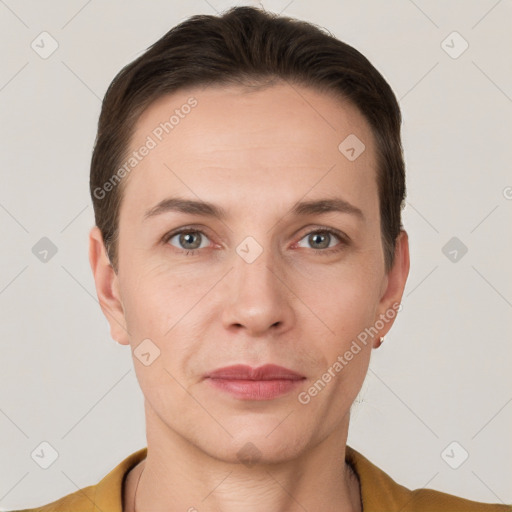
381	341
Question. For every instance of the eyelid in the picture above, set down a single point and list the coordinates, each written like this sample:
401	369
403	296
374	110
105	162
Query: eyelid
322	229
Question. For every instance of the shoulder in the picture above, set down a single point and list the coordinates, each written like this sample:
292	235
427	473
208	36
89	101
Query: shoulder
79	501
429	500
379	492
104	496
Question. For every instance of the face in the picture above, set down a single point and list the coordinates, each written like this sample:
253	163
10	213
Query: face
279	278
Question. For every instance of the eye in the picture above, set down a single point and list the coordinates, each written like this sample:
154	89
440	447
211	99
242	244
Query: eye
188	240
324	240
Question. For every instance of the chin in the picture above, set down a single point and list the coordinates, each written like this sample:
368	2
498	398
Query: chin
256	446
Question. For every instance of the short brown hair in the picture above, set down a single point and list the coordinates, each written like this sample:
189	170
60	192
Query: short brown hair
246	46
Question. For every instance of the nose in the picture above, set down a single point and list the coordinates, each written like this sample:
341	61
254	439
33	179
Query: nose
258	297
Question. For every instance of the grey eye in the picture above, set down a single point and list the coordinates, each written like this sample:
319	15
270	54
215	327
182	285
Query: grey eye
320	239
189	240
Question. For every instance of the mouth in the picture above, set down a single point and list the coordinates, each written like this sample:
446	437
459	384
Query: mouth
263	383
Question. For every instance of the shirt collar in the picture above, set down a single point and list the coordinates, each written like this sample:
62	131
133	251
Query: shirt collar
378	490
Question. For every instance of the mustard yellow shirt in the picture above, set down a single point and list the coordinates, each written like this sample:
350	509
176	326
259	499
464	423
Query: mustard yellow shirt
379	492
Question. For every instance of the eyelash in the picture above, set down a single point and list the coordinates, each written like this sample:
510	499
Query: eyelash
193	252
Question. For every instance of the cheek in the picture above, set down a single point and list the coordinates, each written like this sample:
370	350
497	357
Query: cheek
343	298
157	309
346	305
151	301
161	303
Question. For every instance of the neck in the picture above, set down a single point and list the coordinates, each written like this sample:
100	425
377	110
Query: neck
176	473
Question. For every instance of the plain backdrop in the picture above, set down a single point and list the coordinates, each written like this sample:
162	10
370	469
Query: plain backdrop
443	373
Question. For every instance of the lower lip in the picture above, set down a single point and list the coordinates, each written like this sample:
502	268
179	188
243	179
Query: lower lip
255	389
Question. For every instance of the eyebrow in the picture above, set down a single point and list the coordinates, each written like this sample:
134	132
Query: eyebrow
206	209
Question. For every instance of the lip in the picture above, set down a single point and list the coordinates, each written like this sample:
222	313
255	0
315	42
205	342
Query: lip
262	383
245	372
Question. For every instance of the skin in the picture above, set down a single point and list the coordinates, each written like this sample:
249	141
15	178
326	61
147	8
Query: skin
255	154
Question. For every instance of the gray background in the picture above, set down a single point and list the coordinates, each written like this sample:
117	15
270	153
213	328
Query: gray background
443	373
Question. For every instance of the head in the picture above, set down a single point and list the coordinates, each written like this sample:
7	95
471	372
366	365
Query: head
279	147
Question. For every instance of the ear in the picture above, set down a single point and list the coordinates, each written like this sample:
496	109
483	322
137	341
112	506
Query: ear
393	286
107	287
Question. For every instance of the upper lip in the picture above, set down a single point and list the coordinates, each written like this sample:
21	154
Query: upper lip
244	372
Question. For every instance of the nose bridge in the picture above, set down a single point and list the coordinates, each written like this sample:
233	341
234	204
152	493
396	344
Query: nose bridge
254	268
258	297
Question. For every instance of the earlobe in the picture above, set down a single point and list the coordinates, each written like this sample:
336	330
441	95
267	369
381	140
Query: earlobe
107	287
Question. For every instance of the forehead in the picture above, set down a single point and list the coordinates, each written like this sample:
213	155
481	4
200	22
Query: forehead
218	141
